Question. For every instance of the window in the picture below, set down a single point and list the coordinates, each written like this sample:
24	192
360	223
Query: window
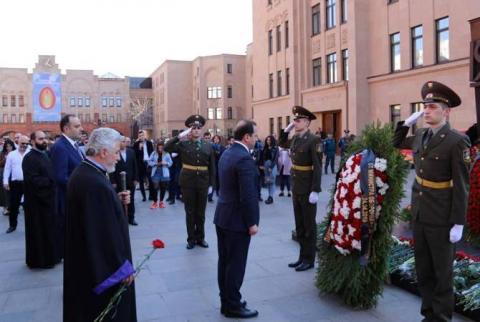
87	118
119	117
269	2
332	68
104	117
80	102
72	101
229	68
287	120
80	117
229	92
214	92
279	83
252	91
395	64
392	1
21	118
417	46
118	101
230	113
279	38
315	20
21	101
104	101
279	124
5	118
111	119
416	107
443	40
271	125
219	113
270	42
344	11
317	71
395	114
211	113
287	81
87	101
4	100
13	101
287	30
111	101
331	20
270	85
345	64
14	118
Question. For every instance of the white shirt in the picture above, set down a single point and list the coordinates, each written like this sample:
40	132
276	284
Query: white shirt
246	147
123	153
146	157
13	167
71	141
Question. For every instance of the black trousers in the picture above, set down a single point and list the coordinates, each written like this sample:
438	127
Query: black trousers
330	159
284	182
434	255
195	201
142	175
232	261
305	226
159	187
131	205
16	193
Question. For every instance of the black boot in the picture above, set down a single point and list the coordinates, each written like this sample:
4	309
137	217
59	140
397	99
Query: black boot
269	200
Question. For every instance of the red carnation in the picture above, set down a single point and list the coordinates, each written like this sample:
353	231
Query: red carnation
157	243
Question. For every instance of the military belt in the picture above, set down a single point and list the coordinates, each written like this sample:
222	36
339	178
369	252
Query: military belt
194	168
434	184
302	167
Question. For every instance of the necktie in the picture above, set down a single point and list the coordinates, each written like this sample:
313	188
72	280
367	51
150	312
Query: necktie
427	137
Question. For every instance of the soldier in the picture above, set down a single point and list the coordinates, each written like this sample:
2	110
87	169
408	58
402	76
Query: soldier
439	196
197	177
306	152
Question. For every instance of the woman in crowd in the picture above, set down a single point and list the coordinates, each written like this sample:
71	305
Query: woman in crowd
218	148
8	146
160	161
284	167
270	157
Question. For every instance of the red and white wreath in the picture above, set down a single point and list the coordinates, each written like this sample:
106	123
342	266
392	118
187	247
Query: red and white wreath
344	231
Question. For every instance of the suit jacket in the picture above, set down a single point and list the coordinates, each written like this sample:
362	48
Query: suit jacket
445	158
139	153
129	166
237	207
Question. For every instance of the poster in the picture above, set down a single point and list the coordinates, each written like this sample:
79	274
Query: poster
47	98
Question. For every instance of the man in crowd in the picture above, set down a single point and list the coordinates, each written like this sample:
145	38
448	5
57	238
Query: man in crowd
439	196
207	136
143	149
197	177
127	164
330	149
39	204
236	218
306	152
343	143
98	255
66	156
13	180
17	137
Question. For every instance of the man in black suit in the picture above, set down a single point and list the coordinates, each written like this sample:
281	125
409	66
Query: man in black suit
236	218
142	156
127	163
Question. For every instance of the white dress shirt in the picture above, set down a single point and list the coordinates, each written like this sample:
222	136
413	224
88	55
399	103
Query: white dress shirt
13	167
246	147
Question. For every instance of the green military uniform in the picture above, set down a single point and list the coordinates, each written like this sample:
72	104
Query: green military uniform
306	154
197	175
439	201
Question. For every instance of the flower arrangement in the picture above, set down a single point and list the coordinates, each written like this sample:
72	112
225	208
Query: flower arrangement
473	211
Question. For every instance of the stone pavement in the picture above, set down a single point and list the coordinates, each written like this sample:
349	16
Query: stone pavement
180	284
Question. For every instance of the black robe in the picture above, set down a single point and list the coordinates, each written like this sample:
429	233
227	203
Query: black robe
97	244
39	205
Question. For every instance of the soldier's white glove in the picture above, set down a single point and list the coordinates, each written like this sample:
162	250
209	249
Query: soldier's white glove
184	133
313	198
289	127
412	119
456	233
210	190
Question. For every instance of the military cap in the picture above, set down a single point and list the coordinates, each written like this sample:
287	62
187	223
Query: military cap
195	120
472	134
435	92
300	112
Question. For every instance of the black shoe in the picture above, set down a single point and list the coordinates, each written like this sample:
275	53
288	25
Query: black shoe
190	245
260	199
144	199
295	264
242	303
133	222
210	200
202	243
289	194
11	230
281	194
171	202
269	200
303	267
242	313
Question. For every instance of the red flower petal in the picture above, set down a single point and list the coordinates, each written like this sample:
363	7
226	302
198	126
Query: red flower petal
157	243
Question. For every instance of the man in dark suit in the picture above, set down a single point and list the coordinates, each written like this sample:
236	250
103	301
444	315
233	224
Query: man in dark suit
66	156
127	163
142	156
236	218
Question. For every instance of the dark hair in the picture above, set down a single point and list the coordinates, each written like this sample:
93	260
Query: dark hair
219	138
7	142
230	137
33	136
243	127
272	140
65	121
207	134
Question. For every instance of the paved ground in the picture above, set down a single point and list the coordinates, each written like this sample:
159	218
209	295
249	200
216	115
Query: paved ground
180	285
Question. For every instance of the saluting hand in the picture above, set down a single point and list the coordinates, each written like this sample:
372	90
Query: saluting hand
412	119
184	133
289	127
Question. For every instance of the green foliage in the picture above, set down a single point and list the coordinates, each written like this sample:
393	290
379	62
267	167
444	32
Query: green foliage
359	286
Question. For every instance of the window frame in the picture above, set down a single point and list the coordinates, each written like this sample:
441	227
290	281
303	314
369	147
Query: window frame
287	81
270	85
393	46
270	42
287	31
279	38
344	12
317	71
279	83
316	21
438	32
345	71
332	70
397	116
330	14
414	39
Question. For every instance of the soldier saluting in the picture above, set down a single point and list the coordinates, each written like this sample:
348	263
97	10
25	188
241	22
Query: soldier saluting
306	154
439	196
197	177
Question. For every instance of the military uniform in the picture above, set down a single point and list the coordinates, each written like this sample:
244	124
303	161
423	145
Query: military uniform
306	154
439	201
196	176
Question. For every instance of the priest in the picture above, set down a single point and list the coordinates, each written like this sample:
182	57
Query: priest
39	204
98	256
